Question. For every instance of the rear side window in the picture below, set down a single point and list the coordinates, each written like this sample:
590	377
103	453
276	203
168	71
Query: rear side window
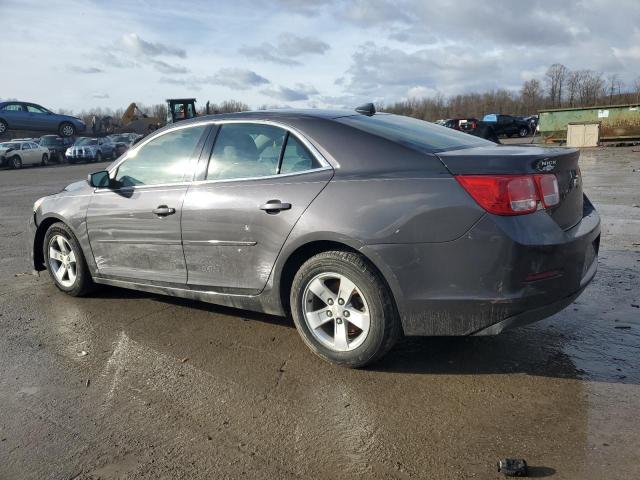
13	107
413	133
296	157
245	150
165	159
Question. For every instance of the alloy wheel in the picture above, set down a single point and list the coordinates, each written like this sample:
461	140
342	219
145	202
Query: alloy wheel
62	261
336	312
67	130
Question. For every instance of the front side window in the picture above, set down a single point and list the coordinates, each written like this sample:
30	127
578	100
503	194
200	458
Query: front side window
34	109
26	146
296	157
245	150
165	159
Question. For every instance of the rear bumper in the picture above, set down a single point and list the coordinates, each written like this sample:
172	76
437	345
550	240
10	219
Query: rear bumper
478	285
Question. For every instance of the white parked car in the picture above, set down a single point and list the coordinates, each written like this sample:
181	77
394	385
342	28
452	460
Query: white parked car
16	154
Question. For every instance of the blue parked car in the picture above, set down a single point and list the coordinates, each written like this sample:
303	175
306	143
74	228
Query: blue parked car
16	115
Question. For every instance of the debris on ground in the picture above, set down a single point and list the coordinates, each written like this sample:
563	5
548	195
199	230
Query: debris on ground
513	467
185	359
88	382
83	353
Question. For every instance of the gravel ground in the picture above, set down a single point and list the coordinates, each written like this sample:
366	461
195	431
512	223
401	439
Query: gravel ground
177	389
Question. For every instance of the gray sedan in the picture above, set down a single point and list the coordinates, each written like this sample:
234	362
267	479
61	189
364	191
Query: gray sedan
362	226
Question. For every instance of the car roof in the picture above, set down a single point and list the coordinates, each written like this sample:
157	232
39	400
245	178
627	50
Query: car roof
279	114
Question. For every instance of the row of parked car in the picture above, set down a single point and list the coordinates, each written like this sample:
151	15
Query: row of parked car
20	152
507	125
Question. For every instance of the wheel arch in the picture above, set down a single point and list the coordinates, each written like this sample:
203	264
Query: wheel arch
304	251
38	240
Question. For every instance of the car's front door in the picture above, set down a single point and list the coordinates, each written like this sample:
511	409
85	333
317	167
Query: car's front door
26	152
134	226
38	118
254	188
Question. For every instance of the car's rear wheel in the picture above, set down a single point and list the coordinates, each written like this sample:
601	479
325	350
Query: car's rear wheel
343	309
67	129
3	126
16	162
523	132
65	261
45	159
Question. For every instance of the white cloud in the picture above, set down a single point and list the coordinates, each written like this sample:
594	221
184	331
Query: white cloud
132	43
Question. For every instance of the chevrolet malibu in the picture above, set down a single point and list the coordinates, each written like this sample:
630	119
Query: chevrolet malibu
363	226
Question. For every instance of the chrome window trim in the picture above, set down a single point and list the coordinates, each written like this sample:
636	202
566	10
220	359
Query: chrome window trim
325	165
264	177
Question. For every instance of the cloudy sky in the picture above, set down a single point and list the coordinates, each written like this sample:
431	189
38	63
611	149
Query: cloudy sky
326	53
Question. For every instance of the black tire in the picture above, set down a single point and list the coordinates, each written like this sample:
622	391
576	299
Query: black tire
66	129
523	132
98	157
16	162
45	159
59	157
384	329
83	283
72	161
3	127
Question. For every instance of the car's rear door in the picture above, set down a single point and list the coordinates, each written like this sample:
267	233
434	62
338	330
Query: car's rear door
252	190
14	114
134	226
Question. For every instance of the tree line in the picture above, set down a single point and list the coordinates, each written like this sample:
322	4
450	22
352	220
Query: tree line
560	88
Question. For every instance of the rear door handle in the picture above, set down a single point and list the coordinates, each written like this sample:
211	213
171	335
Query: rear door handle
163	211
274	206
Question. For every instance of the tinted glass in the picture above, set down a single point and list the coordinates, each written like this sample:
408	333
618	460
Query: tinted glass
87	141
245	151
414	133
26	146
34	109
13	107
164	159
296	157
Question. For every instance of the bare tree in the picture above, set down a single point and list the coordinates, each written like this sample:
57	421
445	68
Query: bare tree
531	94
555	79
573	84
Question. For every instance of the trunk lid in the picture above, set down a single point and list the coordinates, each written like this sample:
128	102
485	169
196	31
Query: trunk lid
522	160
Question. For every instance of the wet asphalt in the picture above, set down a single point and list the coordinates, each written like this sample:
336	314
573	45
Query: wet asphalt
132	385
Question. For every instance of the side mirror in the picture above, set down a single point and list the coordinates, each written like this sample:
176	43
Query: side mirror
99	179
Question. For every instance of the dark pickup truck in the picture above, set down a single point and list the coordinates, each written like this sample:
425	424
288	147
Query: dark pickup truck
507	125
57	146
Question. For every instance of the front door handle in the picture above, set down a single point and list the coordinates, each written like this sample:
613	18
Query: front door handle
163	211
274	206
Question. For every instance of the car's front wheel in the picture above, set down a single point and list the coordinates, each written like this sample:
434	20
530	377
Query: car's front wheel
16	162
65	261
343	309
45	158
3	126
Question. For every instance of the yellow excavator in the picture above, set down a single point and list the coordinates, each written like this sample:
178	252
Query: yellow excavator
135	120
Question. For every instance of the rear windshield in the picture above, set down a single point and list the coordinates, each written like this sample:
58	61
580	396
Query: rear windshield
86	141
414	133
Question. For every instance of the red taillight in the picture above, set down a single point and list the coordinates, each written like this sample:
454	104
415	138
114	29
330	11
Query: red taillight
548	188
511	194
